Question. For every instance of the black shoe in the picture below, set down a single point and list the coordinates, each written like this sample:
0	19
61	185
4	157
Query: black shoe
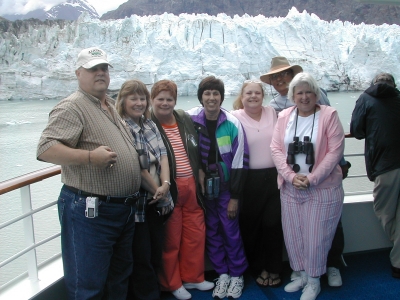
395	272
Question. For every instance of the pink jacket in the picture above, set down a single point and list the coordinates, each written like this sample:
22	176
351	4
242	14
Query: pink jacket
327	151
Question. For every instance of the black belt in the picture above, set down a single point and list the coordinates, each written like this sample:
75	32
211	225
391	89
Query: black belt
127	200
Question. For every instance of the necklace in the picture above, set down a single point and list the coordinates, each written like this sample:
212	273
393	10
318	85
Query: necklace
273	98
280	108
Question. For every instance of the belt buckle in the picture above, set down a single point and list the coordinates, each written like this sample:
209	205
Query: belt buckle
128	201
131	199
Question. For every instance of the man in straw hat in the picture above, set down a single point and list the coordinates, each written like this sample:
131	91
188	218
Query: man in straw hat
279	76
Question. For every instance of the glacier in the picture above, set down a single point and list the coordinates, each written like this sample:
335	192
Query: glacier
39	63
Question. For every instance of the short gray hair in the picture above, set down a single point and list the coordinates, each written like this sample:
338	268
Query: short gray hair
304	78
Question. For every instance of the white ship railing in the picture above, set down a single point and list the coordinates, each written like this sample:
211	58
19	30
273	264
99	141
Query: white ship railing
366	192
23	183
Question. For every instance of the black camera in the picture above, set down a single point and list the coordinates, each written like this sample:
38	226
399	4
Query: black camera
297	147
211	185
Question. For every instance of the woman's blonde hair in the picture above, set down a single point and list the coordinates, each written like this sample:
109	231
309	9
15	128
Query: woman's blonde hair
237	104
131	87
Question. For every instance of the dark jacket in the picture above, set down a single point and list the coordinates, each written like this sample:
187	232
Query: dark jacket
190	142
376	117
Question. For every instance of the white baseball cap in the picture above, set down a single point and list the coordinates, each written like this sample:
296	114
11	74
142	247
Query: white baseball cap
90	57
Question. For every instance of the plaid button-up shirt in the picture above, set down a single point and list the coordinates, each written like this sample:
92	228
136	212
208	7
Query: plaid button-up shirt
79	122
147	137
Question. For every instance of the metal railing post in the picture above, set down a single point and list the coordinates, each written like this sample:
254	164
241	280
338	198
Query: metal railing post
29	232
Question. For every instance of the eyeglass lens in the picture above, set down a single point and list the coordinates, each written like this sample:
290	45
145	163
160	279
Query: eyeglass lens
279	75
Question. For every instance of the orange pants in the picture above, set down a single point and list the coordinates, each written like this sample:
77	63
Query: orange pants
183	250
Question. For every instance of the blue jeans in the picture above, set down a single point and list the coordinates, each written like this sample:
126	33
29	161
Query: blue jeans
97	252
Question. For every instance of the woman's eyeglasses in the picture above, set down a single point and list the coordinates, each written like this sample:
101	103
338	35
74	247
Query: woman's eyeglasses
253	81
280	75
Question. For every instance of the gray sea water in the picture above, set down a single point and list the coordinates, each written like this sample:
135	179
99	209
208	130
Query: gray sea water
21	124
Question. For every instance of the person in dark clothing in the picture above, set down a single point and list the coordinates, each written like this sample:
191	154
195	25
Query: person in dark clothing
376	119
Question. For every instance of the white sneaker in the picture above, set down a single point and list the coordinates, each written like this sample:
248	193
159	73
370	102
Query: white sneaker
297	284
221	287
294	275
182	294
236	287
311	291
201	286
334	278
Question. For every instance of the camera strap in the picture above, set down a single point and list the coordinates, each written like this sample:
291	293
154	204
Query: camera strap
312	128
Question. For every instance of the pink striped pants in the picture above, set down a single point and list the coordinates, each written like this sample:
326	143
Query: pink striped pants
309	220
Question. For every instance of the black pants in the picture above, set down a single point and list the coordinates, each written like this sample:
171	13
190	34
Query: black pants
260	221
335	253
147	253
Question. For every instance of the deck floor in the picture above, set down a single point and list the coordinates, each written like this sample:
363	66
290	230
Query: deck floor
367	276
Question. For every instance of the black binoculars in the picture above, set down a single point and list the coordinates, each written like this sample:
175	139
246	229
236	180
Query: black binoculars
297	147
211	183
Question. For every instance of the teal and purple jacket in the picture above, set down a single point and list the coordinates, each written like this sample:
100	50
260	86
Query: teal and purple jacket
232	147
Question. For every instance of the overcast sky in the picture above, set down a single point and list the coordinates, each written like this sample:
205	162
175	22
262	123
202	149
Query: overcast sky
25	6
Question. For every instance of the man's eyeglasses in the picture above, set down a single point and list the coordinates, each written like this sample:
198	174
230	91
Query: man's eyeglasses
280	75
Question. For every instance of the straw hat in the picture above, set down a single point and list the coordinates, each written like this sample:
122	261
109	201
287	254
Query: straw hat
279	64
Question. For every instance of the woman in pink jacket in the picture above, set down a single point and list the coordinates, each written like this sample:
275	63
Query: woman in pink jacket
307	144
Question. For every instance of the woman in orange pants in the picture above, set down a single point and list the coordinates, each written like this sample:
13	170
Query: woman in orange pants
183	251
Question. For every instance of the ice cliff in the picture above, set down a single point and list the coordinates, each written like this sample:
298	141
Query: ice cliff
39	63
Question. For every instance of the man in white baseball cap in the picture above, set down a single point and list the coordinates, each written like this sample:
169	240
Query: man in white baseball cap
101	176
90	57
